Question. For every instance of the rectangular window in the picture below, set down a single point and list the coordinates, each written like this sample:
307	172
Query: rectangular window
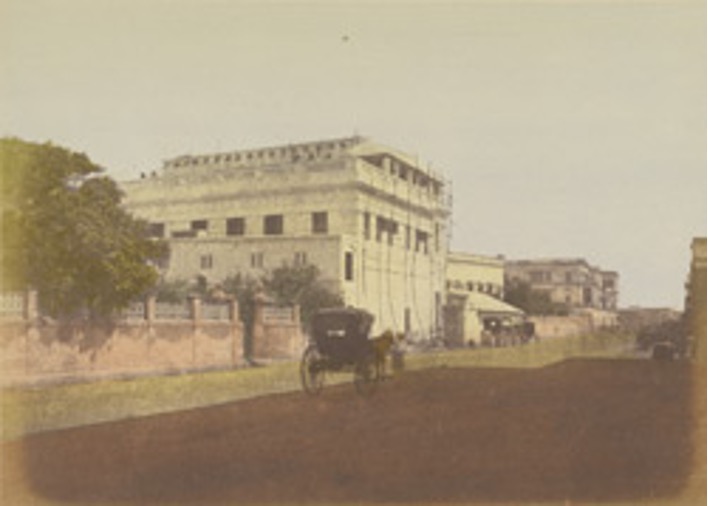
392	228
348	266
319	223
235	226
367	226
408	237
273	224
380	227
257	260
300	258
182	234
421	241
200	225
386	226
206	261
156	230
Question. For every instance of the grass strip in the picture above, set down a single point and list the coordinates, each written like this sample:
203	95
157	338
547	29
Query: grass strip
49	407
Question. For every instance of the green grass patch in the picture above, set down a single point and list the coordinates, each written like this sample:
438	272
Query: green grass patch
534	354
26	410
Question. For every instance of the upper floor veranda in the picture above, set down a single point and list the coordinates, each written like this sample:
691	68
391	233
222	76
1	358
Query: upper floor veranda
324	166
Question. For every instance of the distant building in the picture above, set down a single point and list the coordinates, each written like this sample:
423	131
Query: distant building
695	303
370	217
572	282
475	289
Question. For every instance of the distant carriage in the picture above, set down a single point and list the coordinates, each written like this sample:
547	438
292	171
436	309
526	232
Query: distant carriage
340	343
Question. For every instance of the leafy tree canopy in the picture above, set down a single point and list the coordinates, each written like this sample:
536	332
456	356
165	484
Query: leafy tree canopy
301	285
285	285
65	234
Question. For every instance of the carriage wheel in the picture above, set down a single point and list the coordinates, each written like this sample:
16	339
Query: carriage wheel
312	370
365	376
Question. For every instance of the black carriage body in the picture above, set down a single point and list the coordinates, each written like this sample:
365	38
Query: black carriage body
342	335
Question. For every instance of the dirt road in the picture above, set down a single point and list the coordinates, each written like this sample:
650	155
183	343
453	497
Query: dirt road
579	431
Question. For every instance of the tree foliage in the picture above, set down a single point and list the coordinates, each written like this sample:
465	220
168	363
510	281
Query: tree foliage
65	234
301	285
285	286
533	302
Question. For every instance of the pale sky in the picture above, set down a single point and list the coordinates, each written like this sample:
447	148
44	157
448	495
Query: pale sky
567	128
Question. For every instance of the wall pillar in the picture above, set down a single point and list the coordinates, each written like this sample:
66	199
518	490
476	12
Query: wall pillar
258	333
296	315
150	303
195	310
31	306
195	313
236	333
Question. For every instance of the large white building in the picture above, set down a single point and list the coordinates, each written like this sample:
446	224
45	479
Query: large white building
372	219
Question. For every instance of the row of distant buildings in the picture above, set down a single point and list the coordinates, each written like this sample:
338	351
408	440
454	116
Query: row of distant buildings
374	220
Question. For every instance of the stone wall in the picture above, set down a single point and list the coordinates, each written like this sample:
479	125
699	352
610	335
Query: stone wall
147	340
36	349
277	333
562	326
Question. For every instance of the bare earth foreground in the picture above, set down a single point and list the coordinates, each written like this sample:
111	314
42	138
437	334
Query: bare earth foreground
578	431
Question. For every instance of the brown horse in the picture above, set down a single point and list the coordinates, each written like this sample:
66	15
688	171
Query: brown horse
382	347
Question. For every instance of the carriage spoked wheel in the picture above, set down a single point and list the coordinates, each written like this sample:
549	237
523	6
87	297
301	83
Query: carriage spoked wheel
312	370
366	377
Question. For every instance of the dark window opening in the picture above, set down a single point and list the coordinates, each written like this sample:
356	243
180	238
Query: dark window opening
386	226
273	224
183	234
156	230
206	261
380	227
320	223
421	241
367	226
392	231
235	226
403	172
200	225
348	266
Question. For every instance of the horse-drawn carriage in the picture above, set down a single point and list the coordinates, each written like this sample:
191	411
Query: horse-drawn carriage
340	343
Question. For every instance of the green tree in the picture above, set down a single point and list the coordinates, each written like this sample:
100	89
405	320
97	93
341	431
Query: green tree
173	292
301	285
65	234
533	302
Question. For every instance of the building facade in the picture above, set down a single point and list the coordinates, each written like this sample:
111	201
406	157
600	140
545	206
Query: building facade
371	218
572	282
475	289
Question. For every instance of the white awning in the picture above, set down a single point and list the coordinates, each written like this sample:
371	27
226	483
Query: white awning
484	303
